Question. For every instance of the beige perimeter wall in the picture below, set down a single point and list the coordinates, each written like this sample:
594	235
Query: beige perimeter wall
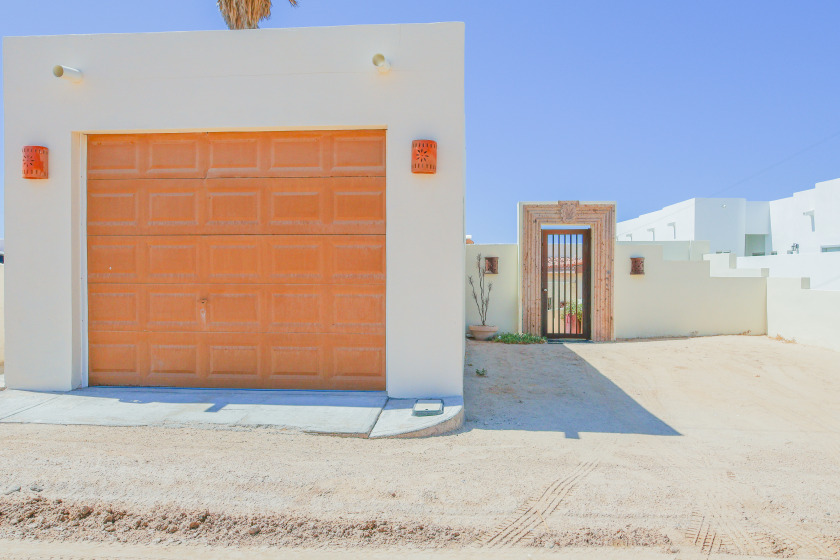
503	299
680	298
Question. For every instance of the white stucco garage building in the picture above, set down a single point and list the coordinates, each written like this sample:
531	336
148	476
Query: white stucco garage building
237	209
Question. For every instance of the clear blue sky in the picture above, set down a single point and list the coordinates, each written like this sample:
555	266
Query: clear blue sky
639	101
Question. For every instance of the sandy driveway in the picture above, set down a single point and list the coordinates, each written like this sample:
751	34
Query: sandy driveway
723	444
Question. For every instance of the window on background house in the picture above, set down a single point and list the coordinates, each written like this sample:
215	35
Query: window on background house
810	215
831	248
755	245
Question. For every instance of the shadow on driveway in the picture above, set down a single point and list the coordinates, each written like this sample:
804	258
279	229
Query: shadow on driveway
548	387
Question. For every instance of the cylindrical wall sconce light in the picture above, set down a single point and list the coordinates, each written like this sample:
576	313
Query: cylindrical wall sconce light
424	156
383	66
67	73
35	162
637	265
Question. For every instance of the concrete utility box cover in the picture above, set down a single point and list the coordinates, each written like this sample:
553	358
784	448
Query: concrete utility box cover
427	407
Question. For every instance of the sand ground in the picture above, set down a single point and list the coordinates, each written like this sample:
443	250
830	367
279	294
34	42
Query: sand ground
678	448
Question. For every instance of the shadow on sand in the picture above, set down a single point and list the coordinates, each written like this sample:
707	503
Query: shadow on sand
548	387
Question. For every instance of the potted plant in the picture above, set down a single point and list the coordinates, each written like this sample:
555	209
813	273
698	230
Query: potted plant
482	302
573	316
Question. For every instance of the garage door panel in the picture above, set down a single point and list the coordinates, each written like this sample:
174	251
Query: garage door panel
297	259
110	260
173	307
296	309
296	358
234	209
359	259
174	155
234	154
145	206
355	361
112	156
235	258
111	209
359	208
336	205
115	308
235	308
116	358
344	361
357	309
174	358
328	206
279	361
326	309
358	153
130	156
241	260
299	154
297	205
176	206
236	358
358	361
349	153
170	259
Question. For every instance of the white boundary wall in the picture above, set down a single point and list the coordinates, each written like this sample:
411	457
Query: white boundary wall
797	313
679	250
505	295
681	298
822	268
266	79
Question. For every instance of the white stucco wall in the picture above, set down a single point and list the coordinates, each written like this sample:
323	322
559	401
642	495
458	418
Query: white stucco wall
757	217
267	79
798	313
721	222
672	223
504	298
791	225
822	268
681	298
791	219
677	250
726	265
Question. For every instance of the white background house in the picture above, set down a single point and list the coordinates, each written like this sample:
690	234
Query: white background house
792	237
732	225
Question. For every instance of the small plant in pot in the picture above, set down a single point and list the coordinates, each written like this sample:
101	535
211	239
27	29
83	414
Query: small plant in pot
482	302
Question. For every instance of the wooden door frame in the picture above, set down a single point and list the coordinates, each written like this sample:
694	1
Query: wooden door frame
586	234
600	217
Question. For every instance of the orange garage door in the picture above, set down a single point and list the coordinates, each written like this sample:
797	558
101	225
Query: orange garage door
248	260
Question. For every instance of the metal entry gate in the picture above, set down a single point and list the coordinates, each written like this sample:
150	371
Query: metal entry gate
566	284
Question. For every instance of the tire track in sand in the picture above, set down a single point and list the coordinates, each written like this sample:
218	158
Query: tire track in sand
522	524
716	528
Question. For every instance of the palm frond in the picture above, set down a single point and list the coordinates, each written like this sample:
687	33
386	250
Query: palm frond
246	14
